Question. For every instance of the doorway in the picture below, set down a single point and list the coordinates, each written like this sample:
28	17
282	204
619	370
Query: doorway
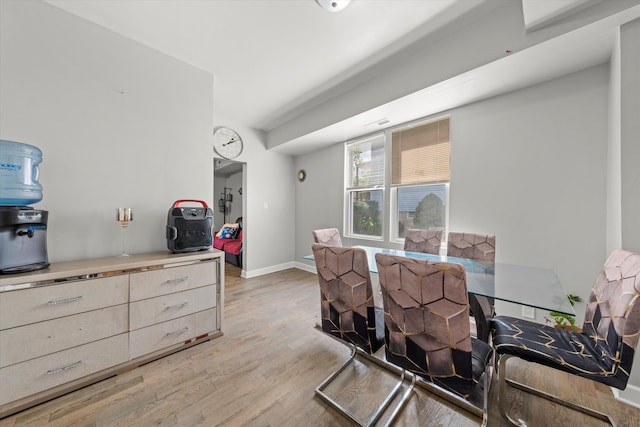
229	195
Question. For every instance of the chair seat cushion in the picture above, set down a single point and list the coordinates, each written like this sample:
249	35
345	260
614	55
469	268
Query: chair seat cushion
564	350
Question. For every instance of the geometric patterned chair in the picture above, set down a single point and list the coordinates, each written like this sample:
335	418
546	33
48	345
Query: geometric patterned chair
346	297
481	247
327	236
348	312
426	313
424	241
602	352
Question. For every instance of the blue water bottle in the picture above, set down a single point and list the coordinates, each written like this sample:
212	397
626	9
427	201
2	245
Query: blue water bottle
19	172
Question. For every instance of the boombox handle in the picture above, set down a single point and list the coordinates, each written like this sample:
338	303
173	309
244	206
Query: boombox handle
204	204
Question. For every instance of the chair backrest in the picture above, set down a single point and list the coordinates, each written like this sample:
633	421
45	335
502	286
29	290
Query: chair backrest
481	247
612	316
327	236
426	314
425	241
346	295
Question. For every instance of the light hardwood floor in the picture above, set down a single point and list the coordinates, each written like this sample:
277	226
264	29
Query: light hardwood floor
264	369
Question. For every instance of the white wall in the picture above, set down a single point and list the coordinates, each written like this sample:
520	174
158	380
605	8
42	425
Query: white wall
630	154
119	124
320	198
630	129
530	167
614	175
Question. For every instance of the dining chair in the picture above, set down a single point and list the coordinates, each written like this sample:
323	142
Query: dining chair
425	241
603	351
327	236
480	247
426	314
348	314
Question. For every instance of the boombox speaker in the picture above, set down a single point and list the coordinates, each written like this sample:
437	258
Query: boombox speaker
189	229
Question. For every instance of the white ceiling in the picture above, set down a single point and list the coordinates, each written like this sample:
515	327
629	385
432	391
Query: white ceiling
270	57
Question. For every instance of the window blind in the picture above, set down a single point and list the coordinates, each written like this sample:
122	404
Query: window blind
421	154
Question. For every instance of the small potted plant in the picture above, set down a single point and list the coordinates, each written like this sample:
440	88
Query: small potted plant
565	321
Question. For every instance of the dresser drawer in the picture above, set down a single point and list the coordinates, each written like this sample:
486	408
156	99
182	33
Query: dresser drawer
160	309
153	283
43	373
27	306
157	337
39	339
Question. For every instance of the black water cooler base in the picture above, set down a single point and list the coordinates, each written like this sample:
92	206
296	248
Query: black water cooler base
23	239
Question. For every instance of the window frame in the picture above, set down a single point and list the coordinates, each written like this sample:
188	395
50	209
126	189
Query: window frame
389	209
350	189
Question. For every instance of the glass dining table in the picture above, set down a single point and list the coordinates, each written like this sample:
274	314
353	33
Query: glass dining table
530	286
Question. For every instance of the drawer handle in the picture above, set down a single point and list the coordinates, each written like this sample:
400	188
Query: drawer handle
178	332
64	368
176	306
178	280
65	301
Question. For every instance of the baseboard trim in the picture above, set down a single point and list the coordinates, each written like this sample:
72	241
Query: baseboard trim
306	267
630	395
272	269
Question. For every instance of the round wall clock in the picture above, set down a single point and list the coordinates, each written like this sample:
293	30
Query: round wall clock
302	175
227	143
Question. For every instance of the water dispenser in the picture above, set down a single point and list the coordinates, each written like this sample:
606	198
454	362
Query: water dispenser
23	229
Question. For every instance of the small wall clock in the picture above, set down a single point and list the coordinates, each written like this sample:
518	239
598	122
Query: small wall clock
302	175
226	142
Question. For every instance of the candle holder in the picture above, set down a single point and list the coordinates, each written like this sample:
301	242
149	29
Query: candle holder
124	216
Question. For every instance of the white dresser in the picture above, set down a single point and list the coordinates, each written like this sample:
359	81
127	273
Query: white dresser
79	322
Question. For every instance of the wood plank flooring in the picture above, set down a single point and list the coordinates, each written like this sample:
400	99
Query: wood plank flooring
264	369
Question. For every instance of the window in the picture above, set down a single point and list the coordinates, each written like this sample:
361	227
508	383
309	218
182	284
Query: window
420	206
420	176
417	158
365	186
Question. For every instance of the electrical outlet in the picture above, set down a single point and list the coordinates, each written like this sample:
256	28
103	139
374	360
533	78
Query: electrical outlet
528	312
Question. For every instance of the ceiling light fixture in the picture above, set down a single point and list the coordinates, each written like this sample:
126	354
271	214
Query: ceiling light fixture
333	5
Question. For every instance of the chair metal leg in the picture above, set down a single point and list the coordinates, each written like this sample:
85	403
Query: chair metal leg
319	391
432	388
426	385
403	401
488	374
502	390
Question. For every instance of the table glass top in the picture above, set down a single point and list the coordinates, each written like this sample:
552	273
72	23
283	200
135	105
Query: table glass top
531	286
